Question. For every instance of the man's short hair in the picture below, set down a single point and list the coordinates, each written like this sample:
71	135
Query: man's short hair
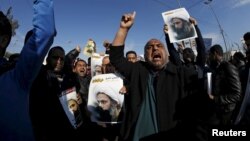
246	36
131	52
77	60
5	26
216	48
189	53
239	56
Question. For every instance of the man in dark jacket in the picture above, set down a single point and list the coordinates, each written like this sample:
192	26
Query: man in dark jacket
76	68
243	115
46	112
156	87
226	86
196	102
50	119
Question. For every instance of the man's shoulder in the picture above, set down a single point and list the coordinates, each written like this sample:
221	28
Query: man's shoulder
227	65
173	68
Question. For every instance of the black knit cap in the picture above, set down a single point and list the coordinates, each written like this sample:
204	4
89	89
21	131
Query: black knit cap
56	51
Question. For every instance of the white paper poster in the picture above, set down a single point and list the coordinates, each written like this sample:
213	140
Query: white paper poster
70	101
179	26
104	101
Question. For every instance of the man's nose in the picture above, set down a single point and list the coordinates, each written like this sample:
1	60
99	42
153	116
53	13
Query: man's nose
59	60
100	104
155	47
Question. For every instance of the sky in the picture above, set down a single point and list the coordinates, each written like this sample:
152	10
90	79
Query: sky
79	20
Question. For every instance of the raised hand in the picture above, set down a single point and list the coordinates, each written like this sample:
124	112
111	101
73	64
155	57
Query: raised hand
193	21
127	20
165	29
125	24
78	48
106	44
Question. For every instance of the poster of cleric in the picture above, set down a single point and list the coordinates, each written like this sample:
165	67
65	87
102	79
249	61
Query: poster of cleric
105	102
179	26
71	101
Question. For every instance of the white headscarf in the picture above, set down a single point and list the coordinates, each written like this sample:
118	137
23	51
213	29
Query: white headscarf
108	90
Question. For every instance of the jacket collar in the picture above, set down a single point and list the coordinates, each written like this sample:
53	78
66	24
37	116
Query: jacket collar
169	67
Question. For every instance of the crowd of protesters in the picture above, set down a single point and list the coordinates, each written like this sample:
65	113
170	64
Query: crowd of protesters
166	95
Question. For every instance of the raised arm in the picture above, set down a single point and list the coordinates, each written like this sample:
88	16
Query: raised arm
201	54
125	24
15	122
37	46
174	54
116	56
70	59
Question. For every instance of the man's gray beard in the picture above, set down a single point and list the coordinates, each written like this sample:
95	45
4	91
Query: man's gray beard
113	112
